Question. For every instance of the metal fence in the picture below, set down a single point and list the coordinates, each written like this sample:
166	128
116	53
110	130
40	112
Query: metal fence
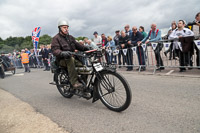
171	58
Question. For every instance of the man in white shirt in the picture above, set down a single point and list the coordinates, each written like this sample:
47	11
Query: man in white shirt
97	39
179	33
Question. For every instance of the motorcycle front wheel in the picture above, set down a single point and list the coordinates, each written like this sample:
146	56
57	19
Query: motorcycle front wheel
114	91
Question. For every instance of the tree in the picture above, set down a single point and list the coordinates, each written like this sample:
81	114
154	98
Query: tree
80	38
6	49
26	44
1	45
45	39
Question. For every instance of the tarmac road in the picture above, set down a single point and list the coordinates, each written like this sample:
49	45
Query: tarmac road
160	104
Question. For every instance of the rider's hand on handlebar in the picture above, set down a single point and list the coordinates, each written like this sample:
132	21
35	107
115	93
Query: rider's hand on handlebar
65	54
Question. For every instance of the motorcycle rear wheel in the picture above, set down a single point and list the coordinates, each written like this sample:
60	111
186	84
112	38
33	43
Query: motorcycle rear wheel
2	73
64	90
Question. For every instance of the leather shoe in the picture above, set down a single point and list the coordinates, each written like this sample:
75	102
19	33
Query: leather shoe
182	70
158	69
162	68
77	85
129	69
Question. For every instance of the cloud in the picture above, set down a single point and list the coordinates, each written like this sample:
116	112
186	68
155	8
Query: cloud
19	17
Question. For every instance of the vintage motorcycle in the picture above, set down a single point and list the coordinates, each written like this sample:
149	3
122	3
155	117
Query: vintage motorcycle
3	69
100	81
2	73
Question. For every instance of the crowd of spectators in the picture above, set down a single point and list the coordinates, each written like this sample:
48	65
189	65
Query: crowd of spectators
119	48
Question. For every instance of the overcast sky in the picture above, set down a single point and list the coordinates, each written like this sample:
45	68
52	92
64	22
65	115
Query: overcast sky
20	17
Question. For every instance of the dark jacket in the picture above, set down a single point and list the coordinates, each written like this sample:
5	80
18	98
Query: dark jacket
129	33
191	24
136	37
44	52
106	41
124	40
116	39
65	43
187	43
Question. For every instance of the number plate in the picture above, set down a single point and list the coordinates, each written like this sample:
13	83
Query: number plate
98	67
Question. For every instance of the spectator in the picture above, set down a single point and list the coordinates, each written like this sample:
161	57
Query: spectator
104	40
173	27
91	45
81	42
110	46
136	37
123	41
155	35
39	55
141	30
85	41
44	53
25	60
10	56
195	27
116	37
27	51
120	54
31	58
18	60
128	31
179	33
97	39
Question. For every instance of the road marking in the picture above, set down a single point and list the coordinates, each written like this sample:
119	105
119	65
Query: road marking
20	74
171	71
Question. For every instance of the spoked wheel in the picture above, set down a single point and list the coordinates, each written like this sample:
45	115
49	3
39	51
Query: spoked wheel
2	73
114	91
63	85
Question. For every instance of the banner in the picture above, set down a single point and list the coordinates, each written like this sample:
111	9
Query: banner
109	52
115	52
167	45
35	39
144	47
124	51
180	46
197	42
154	45
134	50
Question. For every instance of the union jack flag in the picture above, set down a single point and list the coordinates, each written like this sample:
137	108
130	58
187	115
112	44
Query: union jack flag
35	36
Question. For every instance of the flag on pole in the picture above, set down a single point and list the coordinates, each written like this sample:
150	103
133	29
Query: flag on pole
35	37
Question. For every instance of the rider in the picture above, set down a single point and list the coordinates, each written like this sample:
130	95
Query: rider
62	45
